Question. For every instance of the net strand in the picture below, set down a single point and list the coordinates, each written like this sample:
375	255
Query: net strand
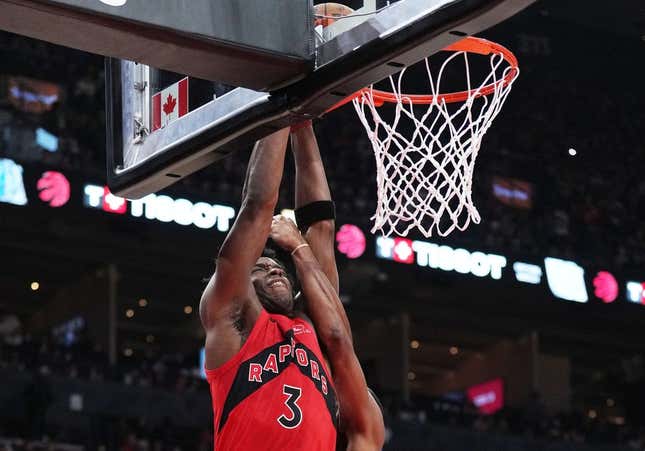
424	178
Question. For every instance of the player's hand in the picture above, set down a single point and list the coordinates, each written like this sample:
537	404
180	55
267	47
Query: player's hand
285	233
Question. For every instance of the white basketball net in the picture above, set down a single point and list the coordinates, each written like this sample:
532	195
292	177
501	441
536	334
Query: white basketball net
424	174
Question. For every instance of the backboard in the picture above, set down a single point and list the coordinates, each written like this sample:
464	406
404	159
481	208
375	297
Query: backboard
163	127
212	39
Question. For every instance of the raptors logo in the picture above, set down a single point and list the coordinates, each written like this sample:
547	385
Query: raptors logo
288	353
259	370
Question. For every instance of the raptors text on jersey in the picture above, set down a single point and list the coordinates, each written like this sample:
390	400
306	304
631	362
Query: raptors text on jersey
275	392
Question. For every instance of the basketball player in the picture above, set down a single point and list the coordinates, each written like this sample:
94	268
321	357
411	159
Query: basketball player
270	387
361	418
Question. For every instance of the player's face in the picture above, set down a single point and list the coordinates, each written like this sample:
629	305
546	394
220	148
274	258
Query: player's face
272	286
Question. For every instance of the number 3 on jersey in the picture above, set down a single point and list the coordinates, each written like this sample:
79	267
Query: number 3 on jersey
294	418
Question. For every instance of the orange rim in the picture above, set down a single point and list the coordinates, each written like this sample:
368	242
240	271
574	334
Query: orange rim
469	44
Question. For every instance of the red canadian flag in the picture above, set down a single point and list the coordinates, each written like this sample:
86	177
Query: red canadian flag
170	104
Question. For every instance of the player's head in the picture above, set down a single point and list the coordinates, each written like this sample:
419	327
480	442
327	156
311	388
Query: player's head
273	284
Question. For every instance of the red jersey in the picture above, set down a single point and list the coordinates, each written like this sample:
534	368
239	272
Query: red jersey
275	393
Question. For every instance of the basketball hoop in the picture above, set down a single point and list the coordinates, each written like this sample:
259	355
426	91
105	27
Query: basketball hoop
424	174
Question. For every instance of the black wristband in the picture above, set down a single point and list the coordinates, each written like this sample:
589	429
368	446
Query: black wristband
314	212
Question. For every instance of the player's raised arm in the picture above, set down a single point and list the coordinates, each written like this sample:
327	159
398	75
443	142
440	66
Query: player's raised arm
314	207
360	415
315	210
230	284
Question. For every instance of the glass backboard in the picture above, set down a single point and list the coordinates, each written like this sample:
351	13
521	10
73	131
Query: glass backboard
163	127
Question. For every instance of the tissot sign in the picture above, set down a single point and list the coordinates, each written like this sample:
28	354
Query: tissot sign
162	208
441	257
566	279
53	194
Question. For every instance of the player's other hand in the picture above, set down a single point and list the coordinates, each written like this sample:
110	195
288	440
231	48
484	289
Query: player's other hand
285	233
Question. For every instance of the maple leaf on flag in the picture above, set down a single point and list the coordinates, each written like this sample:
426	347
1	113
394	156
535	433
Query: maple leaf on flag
169	106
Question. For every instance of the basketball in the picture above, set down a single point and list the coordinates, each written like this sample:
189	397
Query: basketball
326	12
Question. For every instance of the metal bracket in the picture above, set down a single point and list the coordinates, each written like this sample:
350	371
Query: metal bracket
141	85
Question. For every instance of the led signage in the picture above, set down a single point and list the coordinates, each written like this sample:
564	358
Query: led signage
487	397
636	292
351	241
566	279
605	287
12	186
53	189
441	257
162	208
